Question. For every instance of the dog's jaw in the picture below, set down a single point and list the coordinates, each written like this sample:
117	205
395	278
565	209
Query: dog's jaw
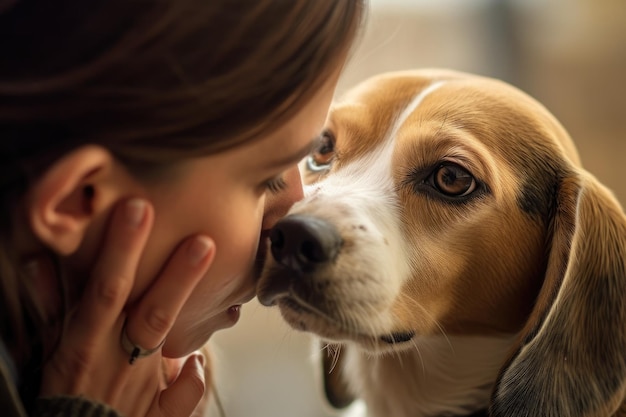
450	376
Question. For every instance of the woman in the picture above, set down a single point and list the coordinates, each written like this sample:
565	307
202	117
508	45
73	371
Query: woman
140	143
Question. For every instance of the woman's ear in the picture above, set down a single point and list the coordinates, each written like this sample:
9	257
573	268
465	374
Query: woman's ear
68	196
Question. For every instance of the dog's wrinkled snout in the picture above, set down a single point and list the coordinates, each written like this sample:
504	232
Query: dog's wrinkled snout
303	242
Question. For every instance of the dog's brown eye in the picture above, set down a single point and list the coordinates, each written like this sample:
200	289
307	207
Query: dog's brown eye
453	181
321	157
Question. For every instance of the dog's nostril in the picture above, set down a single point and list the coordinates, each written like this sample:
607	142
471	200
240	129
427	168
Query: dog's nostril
303	242
312	251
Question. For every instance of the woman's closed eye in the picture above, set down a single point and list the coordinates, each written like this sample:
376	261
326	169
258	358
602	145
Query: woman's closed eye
275	185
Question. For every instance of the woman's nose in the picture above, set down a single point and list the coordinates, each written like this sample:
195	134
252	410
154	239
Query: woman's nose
278	204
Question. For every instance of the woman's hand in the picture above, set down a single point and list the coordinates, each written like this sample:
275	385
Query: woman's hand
90	360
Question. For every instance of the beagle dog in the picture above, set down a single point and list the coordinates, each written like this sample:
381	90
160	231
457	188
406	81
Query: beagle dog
455	256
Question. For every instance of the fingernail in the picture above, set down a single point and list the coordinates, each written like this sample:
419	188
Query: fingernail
135	211
199	249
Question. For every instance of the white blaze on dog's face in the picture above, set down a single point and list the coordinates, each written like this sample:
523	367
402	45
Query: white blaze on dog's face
427	212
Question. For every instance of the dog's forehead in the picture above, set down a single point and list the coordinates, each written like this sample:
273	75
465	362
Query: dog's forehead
364	115
378	109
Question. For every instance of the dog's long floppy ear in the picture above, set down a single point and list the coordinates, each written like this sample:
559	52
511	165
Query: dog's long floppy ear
335	386
571	359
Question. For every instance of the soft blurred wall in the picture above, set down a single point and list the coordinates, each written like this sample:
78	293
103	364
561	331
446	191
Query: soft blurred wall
569	54
572	57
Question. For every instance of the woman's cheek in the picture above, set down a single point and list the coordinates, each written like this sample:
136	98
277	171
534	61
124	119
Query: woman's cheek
228	278
227	281
242	241
234	259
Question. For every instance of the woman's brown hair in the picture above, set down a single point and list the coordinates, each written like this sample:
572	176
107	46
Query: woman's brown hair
153	81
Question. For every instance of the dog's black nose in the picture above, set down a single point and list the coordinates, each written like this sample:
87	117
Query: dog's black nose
303	242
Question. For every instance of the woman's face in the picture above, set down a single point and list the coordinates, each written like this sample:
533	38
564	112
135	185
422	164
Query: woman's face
226	197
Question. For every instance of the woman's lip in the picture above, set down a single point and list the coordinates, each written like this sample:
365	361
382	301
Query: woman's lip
225	318
234	312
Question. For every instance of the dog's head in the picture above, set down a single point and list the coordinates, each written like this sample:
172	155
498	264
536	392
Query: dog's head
441	202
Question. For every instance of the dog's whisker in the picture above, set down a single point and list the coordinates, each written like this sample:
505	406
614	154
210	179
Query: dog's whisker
360	311
311	307
419	355
336	351
329	350
415	304
398	355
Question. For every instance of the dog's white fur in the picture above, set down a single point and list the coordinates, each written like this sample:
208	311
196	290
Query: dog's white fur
439	305
450	376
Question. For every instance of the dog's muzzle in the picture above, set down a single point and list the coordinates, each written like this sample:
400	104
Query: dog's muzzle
302	243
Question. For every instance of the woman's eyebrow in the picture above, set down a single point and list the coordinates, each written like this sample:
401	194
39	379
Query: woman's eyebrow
297	156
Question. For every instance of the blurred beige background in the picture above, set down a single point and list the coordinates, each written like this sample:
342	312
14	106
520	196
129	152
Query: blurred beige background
569	54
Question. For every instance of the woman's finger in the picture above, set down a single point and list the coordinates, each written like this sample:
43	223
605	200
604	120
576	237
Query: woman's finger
151	319
182	396
114	273
92	335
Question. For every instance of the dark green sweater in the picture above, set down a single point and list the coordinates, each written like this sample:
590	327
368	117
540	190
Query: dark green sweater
59	406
